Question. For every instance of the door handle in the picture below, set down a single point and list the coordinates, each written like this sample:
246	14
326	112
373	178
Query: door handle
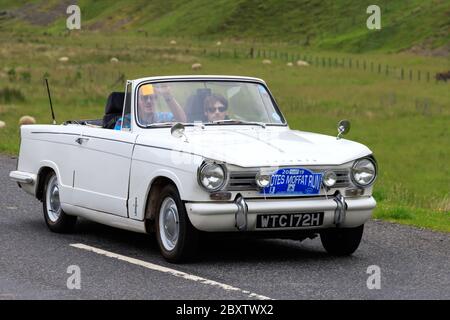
81	140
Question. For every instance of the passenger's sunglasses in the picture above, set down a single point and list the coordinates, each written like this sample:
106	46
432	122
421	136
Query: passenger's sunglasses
214	109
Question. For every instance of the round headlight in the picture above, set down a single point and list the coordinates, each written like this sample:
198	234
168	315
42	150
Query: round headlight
364	172
212	176
262	180
329	178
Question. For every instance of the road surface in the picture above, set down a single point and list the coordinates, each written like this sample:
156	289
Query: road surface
115	264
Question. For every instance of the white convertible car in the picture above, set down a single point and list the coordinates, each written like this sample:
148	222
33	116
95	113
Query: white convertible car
185	155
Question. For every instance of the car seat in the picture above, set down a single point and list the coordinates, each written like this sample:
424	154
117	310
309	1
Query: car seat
113	109
194	106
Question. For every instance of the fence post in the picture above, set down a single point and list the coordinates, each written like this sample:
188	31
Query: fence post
401	74
387	70
379	68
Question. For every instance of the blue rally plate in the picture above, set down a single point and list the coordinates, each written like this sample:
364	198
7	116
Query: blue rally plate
291	181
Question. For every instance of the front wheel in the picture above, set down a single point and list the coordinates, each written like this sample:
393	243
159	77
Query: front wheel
342	242
177	237
56	219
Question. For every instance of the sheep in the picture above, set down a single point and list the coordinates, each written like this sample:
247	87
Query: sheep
302	63
443	76
173	42
289	64
266	61
2	124
63	59
27	120
196	66
218	43
114	60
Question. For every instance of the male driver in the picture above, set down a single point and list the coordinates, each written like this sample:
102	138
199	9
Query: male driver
147	100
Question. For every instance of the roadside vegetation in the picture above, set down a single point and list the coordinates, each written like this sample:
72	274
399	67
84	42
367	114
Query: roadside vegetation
389	94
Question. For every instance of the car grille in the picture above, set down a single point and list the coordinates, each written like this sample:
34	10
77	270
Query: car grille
245	180
343	178
242	181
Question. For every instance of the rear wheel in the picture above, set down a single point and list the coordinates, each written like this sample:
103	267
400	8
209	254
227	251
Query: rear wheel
56	219
342	242
177	237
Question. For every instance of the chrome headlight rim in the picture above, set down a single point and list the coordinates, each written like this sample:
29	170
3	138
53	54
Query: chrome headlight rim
209	163
355	182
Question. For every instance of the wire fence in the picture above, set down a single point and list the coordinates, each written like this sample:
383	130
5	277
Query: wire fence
351	63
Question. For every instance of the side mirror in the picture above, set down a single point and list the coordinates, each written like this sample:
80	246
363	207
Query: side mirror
343	128
177	131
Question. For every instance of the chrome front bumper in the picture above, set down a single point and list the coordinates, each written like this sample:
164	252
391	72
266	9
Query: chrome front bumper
22	177
241	214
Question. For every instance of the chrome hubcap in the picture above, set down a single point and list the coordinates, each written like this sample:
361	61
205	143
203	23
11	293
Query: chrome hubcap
169	224
52	197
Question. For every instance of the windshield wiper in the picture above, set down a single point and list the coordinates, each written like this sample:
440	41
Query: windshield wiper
159	124
234	121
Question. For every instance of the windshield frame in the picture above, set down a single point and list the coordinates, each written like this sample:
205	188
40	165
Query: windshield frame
206	79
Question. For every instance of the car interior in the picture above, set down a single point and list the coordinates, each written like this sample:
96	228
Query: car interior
194	106
114	107
113	111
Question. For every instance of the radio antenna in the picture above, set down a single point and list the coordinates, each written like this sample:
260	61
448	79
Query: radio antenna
50	99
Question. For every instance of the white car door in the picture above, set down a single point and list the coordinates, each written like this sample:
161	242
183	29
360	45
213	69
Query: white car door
103	169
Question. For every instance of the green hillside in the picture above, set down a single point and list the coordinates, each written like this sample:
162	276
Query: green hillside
322	24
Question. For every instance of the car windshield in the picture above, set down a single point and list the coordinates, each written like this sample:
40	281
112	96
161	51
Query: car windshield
207	102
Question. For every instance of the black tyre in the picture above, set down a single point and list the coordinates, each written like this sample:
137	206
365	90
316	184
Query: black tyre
342	242
57	220
177	238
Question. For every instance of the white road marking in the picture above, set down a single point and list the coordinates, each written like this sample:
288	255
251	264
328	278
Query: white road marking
170	271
